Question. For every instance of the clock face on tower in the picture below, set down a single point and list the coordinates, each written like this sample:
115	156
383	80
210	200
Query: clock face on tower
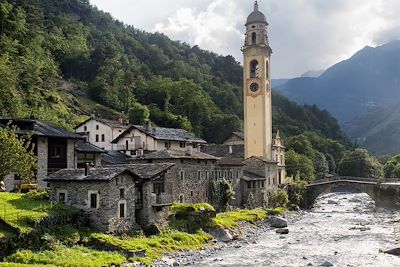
254	87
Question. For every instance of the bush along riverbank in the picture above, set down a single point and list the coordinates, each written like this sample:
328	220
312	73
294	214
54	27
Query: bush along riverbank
193	231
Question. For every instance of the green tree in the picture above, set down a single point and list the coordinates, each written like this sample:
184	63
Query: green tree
280	198
359	163
297	164
138	114
16	155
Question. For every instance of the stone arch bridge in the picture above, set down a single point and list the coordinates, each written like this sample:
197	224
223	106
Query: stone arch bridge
385	192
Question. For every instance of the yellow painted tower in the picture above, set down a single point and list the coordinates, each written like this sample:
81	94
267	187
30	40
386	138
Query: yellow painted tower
257	87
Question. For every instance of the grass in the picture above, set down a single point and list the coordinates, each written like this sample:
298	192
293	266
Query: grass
20	211
155	246
76	256
185	208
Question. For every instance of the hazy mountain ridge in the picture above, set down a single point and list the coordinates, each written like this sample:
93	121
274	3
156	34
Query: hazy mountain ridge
369	79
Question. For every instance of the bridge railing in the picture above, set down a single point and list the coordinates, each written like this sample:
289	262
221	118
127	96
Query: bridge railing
356	179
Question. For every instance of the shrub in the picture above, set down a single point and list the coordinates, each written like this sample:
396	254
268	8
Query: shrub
280	198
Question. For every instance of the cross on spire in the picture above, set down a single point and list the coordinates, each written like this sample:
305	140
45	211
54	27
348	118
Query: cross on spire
256	5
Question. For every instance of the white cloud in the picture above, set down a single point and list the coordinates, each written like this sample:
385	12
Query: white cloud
304	34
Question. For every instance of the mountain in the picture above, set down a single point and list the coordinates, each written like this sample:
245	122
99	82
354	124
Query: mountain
61	60
369	79
378	130
312	74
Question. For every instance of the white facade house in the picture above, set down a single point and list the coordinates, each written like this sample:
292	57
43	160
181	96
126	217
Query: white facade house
137	139
100	132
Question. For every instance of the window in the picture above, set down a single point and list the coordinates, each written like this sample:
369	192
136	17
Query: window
254	69
97	127
97	138
121	193
93	200
122	210
167	145
57	152
61	197
103	138
182	144
253	38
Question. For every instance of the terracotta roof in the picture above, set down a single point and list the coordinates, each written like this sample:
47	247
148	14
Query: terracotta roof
39	128
167	134
106	174
178	154
115	157
86	147
224	151
111	123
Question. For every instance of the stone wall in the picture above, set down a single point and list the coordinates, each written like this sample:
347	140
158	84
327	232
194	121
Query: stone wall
71	162
106	216
42	160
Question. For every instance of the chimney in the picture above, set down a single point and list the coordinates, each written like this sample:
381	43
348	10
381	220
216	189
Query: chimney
87	169
189	150
140	152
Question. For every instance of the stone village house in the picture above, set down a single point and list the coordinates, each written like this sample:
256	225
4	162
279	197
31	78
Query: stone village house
54	148
116	198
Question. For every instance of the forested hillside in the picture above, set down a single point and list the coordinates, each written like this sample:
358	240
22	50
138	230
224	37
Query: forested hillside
60	60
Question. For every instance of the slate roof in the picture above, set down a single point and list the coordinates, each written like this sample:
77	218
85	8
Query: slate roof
39	128
231	162
239	134
178	154
111	123
167	134
115	157
86	147
106	174
251	176
223	151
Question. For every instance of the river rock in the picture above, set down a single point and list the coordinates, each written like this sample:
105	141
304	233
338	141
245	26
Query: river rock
282	231
278	222
222	235
332	202
395	251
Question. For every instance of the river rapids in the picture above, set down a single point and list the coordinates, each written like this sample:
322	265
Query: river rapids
344	229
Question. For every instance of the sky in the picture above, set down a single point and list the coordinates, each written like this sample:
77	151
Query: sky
304	34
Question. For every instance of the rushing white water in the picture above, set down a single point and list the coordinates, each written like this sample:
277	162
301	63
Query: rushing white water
344	229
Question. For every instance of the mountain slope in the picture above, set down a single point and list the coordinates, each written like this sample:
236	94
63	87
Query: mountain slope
63	59
369	79
378	130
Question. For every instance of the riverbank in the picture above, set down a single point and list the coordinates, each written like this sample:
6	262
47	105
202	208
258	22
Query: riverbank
243	234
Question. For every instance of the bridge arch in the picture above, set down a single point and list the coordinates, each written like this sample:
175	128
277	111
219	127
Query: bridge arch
317	189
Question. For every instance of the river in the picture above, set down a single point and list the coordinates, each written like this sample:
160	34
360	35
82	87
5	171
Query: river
344	229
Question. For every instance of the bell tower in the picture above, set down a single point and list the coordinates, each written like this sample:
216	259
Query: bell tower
257	87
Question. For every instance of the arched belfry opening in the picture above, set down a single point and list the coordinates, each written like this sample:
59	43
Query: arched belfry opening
254	67
253	38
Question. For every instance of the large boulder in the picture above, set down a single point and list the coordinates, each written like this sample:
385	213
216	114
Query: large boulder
222	235
278	222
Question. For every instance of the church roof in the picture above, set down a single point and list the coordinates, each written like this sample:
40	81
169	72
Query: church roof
256	16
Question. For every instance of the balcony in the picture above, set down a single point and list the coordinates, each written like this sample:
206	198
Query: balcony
128	147
161	200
